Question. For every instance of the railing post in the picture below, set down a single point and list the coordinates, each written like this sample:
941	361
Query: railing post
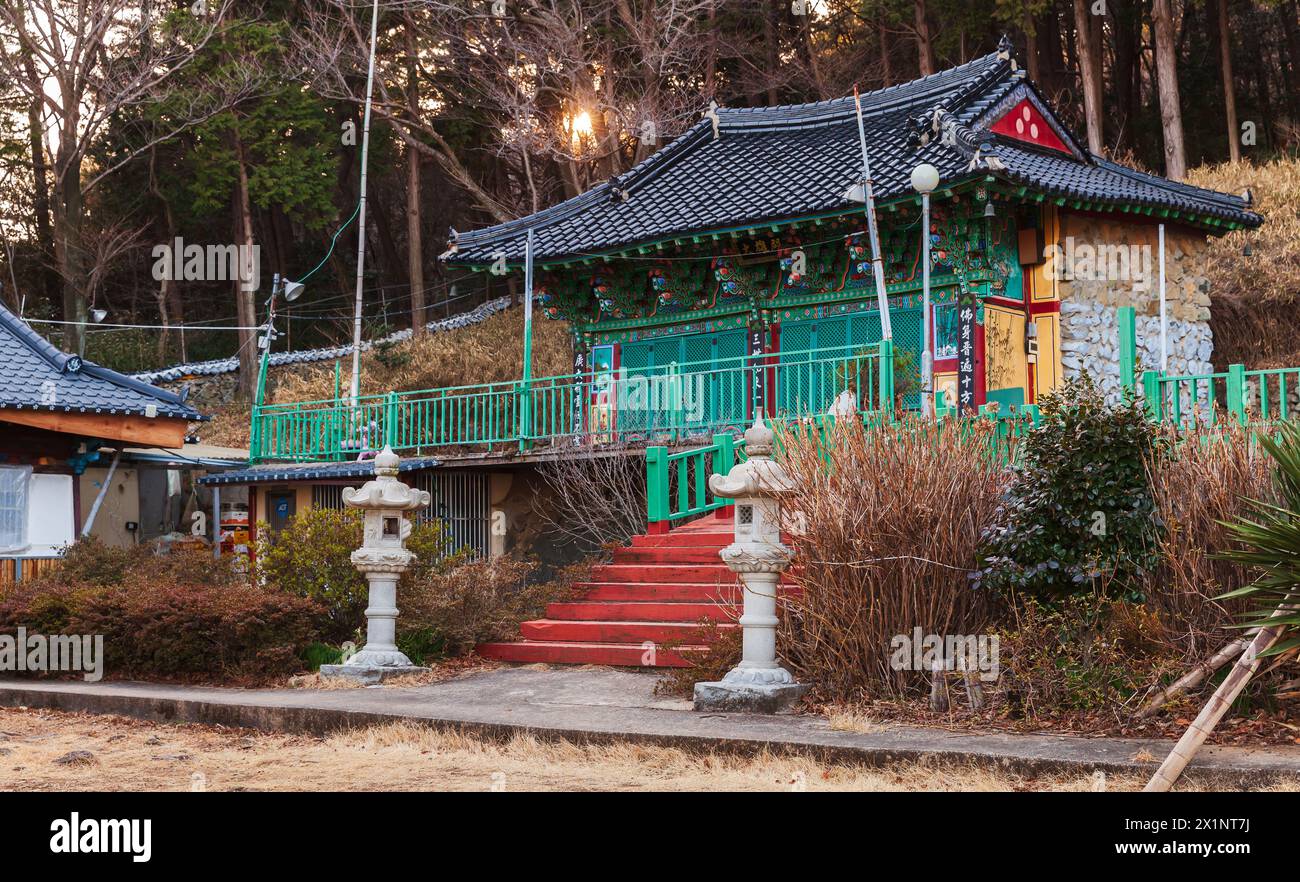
1237	391
525	410
255	435
390	420
1152	392
656	488
1127	320
887	375
724	457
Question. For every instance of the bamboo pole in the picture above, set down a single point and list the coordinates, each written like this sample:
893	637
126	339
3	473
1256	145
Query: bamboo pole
1186	748
1193	678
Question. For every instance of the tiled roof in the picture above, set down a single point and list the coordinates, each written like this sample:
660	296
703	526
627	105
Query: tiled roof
34	375
280	474
775	163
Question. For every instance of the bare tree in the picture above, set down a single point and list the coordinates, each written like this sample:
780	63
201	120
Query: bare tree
594	500
84	61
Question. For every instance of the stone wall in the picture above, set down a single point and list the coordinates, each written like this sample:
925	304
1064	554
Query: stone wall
1107	279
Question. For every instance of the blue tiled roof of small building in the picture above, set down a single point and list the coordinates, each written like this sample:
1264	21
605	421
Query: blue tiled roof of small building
36	376
774	163
280	474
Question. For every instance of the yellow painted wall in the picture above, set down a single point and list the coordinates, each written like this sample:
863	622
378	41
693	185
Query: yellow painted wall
121	504
1006	365
1046	288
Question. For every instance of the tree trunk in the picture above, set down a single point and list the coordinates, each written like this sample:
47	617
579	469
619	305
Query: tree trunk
1171	114
68	251
414	247
1031	50
924	45
1089	75
1229	94
886	66
244	305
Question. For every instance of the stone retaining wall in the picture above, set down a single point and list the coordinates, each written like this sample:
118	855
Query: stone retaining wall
1089	302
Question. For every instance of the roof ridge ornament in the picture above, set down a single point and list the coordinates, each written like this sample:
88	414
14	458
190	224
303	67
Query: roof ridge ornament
977	145
712	116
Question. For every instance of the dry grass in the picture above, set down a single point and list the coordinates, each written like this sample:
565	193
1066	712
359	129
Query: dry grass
488	352
886	530
136	755
1199	484
1254	315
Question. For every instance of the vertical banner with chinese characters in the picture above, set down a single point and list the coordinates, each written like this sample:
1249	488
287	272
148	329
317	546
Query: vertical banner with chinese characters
584	379
758	366
966	312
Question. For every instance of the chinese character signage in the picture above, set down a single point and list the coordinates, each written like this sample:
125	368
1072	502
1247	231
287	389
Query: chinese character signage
966	311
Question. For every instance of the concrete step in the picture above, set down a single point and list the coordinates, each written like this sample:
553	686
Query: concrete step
573	653
554	630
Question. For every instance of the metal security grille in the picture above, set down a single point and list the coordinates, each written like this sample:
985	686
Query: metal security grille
327	496
460	502
805	389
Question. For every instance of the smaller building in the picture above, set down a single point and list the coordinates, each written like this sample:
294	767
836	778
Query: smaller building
61	416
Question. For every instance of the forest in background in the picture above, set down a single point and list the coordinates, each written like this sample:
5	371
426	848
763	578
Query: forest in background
135	123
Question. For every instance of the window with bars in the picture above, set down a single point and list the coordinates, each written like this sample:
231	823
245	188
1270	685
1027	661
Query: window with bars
327	496
460	502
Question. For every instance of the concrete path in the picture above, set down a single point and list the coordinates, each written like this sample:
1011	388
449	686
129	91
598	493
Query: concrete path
604	704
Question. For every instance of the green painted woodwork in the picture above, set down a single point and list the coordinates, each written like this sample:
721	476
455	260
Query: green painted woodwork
841	337
676	483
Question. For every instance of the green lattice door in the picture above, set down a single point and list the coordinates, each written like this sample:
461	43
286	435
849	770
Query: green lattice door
689	384
820	358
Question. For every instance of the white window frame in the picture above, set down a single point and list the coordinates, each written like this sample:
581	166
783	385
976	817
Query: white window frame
15	507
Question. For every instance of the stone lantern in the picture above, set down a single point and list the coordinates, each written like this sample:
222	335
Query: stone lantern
382	558
758	683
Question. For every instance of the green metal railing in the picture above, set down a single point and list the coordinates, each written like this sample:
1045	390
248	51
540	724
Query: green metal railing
669	402
1246	396
677	483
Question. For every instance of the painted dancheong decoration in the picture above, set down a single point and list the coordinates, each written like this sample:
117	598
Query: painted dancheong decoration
731	271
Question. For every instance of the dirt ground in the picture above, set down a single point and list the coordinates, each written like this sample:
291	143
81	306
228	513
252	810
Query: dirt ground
128	754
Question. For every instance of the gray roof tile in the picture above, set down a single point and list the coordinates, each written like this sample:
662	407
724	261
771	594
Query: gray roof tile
34	375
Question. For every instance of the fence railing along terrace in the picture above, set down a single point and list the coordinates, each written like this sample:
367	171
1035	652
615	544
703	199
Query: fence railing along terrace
665	403
1247	396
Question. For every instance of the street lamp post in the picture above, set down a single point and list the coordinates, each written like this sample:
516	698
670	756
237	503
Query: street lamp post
925	178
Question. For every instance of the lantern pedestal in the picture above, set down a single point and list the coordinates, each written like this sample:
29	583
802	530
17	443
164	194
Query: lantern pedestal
382	559
758	684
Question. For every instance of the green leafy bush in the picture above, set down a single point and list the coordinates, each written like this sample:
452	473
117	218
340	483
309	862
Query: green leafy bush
311	557
1079	515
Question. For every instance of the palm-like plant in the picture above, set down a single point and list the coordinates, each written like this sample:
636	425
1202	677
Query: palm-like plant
1270	543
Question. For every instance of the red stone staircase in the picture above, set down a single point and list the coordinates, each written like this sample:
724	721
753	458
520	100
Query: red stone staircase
656	590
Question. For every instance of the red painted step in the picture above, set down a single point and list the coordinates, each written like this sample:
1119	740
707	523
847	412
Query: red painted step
643	611
669	556
657	589
614	632
573	653
711	574
662	591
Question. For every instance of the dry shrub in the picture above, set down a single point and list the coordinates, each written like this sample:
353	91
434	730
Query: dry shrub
1083	653
488	352
593	500
1198	483
888	521
721	653
481	601
178	615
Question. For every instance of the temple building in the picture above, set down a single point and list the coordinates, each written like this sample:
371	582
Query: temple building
745	238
